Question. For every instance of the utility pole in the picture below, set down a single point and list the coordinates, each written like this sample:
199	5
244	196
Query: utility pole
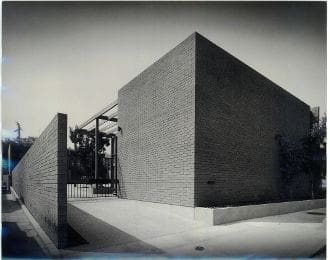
18	130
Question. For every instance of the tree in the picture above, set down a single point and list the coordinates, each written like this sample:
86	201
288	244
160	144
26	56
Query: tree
290	162
306	156
82	157
18	148
316	145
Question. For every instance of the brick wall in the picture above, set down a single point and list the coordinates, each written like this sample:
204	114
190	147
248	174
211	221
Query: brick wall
156	146
238	114
39	179
198	129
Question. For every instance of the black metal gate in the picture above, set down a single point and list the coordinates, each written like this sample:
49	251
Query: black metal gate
91	188
87	186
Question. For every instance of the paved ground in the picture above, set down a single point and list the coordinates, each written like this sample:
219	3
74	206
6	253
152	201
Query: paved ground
19	238
111	227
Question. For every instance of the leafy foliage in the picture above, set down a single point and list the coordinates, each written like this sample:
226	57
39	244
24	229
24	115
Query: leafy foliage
18	148
290	159
307	156
82	159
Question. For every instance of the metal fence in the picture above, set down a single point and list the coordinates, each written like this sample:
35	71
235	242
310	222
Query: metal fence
92	188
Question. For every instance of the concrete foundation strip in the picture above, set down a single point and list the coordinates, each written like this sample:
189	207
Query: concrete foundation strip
218	216
46	244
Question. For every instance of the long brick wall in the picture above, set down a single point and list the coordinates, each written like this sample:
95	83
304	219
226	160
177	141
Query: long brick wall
156	146
39	179
238	114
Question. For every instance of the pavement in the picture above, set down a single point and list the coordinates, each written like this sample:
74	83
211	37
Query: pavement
114	227
19	237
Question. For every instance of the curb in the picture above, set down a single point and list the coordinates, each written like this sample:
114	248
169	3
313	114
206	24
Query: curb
46	244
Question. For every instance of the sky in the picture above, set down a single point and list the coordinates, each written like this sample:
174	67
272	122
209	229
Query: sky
74	57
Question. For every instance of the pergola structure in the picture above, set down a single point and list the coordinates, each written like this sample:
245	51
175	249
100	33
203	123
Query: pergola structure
106	121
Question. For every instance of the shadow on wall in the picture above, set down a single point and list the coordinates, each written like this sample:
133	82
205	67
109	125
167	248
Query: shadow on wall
103	237
121	193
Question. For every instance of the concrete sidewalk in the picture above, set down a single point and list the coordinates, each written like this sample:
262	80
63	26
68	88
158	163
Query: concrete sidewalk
111	227
19	238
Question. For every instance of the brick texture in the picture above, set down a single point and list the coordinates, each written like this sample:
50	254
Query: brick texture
238	114
156	146
39	179
198	129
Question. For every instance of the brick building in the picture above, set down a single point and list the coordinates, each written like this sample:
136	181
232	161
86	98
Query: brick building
198	128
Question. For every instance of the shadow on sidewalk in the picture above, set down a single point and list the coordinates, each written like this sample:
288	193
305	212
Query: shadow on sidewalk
9	206
74	238
15	243
103	237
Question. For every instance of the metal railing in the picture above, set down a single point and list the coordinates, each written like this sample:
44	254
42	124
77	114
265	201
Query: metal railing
92	188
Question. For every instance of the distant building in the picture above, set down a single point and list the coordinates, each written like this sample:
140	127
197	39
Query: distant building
198	128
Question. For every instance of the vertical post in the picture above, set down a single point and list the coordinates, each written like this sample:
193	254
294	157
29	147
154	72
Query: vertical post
9	159
112	176
96	147
9	167
115	164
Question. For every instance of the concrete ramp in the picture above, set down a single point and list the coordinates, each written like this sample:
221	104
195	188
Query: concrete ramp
140	219
112	226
